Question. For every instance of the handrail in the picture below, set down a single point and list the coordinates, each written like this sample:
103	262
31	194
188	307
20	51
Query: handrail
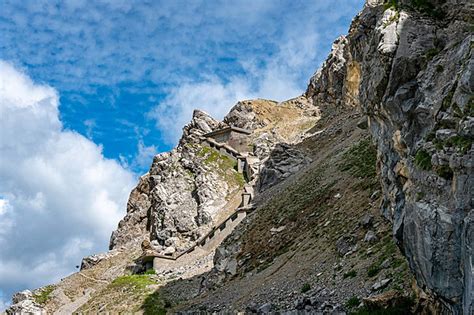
237	155
206	236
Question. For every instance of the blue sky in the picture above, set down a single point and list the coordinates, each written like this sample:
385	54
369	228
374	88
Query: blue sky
119	79
114	62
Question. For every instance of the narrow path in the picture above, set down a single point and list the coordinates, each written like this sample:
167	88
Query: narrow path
90	278
71	307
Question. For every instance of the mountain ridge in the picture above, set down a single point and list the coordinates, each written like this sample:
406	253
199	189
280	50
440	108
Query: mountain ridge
393	101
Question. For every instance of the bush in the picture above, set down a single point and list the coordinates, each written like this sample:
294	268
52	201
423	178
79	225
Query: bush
423	160
305	288
373	270
431	53
445	172
353	302
350	274
43	295
391	4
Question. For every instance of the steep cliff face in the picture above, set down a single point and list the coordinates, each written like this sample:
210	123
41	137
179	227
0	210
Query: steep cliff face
397	92
187	189
409	65
177	200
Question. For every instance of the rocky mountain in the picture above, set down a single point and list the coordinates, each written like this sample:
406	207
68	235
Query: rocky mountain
356	197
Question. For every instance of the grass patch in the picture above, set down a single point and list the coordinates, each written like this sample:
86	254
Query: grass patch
391	4
403	306
423	160
135	282
373	270
353	302
305	288
360	160
460	142
155	304
224	165
44	294
350	274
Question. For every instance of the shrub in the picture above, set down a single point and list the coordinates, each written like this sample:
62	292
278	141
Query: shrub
445	172
44	294
350	274
439	68
373	270
305	288
391	4
423	160
460	142
431	53
353	302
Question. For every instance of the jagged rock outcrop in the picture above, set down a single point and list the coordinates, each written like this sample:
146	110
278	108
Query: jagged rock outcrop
283	161
177	200
409	64
24	303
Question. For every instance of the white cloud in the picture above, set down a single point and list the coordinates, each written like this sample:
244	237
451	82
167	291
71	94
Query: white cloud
59	197
145	154
278	78
211	95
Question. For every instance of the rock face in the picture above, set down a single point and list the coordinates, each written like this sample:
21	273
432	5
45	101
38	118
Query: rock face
24	303
178	199
410	67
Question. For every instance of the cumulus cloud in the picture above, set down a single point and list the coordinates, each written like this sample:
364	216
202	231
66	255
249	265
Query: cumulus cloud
278	77
59	197
118	55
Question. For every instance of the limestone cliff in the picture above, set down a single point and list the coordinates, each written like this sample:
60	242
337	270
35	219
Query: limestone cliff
409	66
385	127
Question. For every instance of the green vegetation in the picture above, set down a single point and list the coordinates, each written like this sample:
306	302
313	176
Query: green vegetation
469	109
44	294
350	274
445	172
224	164
420	195
391	4
403	306
135	282
154	304
373	270
137	286
360	161
448	99
353	302
431	53
460	142
423	160
305	288
439	68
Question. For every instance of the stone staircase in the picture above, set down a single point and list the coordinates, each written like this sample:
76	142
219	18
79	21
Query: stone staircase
246	165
